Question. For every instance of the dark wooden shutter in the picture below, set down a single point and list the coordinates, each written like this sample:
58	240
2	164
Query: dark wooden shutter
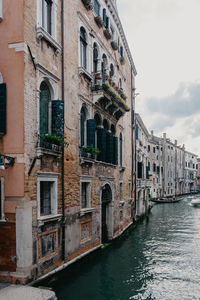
104	15
44	112
115	150
91	126
107	23
109	147
121	149
147	172
122	51
136	131
58	118
101	144
158	169
3	108
139	170
133	117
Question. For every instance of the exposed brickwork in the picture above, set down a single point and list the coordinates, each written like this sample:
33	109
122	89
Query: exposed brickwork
7	247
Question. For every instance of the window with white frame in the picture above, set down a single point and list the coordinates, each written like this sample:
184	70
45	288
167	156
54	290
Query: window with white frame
47	15
83	48
85	194
47	194
2	217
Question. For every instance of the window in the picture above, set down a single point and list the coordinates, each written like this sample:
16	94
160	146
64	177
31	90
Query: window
121	191
47	15
97	7
83	48
149	148
111	70
2	198
83	127
95	58
129	190
45	98
85	195
47	194
121	149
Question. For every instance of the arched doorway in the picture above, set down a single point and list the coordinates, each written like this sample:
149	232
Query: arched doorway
106	199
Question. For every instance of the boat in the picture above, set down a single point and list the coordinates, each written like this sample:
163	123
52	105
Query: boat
166	200
195	202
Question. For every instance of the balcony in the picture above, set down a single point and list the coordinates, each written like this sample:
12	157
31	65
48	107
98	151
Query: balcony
47	147
108	95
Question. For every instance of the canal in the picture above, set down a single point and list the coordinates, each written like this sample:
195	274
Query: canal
158	259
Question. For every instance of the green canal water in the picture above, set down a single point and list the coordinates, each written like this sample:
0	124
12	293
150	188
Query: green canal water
158	259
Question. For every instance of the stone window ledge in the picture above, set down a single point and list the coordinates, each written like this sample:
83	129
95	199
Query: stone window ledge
42	151
43	34
85	73
84	211
50	218
3	221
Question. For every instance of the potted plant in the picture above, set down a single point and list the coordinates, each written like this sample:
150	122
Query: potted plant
99	21
88	4
107	34
97	75
92	151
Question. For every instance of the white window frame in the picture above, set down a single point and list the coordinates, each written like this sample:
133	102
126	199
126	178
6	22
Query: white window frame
2	199
88	182
1	10
50	177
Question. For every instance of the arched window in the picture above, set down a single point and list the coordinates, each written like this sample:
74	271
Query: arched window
83	127
83	48
121	149
95	58
45	99
104	65
105	124
111	70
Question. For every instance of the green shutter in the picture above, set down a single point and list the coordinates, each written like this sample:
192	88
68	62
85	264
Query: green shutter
158	169
44	112
82	125
115	155
147	172
122	51
101	144
136	133
3	108
107	23
58	118
91	126
109	147
104	15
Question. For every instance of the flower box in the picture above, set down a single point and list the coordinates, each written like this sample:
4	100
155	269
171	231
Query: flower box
122	60
114	45
107	34
99	21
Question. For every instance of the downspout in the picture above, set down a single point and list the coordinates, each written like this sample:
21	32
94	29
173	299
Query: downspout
62	161
133	146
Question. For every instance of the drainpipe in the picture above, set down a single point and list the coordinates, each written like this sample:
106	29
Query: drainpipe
133	145
63	160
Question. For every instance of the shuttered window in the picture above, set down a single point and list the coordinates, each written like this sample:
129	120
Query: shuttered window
91	127
97	7
83	48
115	147
109	147
147	172
2	108
44	109
121	149
58	118
107	22
101	144
47	15
139	170
136	132
104	15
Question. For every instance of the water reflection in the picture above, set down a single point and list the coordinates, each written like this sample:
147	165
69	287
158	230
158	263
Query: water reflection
157	260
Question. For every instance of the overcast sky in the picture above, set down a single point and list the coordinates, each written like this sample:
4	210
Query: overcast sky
164	38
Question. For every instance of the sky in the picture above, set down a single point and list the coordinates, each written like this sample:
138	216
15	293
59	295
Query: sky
164	39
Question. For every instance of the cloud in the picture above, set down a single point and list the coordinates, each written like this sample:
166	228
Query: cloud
184	102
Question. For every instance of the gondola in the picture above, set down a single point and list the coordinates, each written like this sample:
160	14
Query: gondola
166	200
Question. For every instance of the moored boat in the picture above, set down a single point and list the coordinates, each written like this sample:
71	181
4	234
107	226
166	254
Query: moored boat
166	200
